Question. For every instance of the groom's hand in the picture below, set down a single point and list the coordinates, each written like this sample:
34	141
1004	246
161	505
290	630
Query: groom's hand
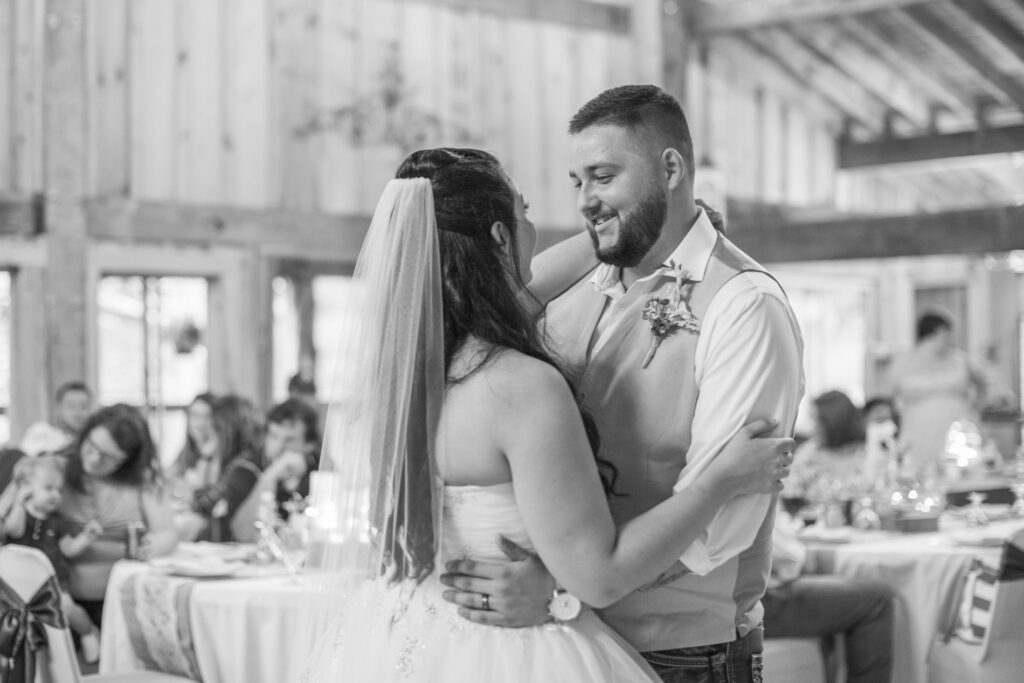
517	592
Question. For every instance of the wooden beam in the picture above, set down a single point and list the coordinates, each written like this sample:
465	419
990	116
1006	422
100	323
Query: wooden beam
955	42
877	42
20	216
770	237
928	147
327	236
813	75
65	181
676	48
996	25
973	231
881	85
577	13
753	14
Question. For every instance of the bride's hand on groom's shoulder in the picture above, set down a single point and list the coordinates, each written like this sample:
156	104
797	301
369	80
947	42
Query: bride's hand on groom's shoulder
517	592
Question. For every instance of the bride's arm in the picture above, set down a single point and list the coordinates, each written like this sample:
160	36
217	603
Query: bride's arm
556	268
563	505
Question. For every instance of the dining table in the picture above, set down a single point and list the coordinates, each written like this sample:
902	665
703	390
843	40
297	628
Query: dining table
924	570
209	613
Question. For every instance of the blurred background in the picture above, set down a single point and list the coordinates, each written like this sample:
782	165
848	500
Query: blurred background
185	184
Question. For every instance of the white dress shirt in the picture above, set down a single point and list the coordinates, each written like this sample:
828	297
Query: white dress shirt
748	365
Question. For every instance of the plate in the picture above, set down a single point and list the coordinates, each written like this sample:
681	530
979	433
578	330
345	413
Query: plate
196	569
976	538
816	534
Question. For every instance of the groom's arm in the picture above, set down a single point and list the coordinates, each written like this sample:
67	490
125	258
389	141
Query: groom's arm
749	364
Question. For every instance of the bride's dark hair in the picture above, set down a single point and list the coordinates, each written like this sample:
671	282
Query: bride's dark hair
472	192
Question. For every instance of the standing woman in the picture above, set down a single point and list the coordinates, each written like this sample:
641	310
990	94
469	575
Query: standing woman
113	478
934	385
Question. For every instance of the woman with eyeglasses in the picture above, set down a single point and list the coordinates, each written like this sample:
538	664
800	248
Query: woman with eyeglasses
113	479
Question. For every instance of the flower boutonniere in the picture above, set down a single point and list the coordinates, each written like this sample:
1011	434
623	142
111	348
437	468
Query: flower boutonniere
673	313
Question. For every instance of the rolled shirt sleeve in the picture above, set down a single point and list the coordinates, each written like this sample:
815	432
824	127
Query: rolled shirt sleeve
748	365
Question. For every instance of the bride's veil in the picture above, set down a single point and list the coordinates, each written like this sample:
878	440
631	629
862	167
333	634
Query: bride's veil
377	497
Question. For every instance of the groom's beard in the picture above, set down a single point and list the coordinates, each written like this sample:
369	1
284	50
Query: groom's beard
638	231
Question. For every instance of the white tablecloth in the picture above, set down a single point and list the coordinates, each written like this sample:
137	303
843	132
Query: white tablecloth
242	629
922	569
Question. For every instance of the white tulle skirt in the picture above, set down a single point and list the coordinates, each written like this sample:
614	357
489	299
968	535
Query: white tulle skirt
400	633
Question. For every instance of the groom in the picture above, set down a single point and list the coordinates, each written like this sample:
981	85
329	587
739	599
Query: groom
677	339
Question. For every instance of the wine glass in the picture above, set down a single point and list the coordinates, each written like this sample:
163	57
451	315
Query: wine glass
976	516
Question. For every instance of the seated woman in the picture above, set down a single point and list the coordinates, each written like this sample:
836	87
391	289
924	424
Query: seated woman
113	479
232	474
830	465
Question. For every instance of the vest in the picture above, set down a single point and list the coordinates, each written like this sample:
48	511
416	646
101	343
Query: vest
644	417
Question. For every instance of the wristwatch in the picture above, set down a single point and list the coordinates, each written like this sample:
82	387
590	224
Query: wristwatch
564	606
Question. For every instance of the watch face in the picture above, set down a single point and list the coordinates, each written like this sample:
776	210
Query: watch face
564	606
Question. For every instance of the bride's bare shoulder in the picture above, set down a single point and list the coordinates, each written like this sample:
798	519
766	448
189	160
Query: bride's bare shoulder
515	378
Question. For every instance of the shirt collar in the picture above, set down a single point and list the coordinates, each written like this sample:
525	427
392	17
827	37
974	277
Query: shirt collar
692	254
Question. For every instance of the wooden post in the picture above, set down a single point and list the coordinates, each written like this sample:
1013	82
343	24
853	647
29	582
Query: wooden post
64	180
675	47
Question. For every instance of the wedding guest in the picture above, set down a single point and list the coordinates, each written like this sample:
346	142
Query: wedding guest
291	451
675	340
35	521
934	384
113	480
72	404
236	463
805	606
197	464
302	388
830	465
880	410
9	458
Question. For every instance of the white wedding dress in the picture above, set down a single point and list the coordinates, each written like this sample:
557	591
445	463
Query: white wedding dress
406	632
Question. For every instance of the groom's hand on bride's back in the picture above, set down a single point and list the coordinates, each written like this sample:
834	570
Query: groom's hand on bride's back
518	591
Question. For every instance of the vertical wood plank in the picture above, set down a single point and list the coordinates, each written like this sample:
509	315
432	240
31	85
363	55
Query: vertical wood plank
527	155
108	136
30	398
295	96
153	98
7	94
246	103
28	96
560	45
339	177
199	125
64	92
493	92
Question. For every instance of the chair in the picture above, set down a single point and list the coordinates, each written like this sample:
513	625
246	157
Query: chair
25	570
793	660
999	656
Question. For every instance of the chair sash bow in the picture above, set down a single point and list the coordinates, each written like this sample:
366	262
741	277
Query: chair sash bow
22	632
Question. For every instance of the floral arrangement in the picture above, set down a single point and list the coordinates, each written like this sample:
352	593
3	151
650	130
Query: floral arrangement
673	313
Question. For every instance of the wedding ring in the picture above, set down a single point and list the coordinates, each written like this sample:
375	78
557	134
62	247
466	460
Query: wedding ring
486	602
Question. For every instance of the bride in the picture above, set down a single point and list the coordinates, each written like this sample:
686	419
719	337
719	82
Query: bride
458	426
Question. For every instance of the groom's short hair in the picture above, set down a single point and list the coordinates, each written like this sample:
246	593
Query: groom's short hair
637	107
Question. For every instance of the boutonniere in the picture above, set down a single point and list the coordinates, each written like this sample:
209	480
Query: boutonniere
673	313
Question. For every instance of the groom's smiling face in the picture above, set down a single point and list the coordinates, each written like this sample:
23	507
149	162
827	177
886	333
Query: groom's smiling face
619	192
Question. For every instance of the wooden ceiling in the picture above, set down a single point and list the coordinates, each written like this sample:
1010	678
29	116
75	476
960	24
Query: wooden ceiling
912	80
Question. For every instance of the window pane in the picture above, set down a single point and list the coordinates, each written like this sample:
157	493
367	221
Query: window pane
286	337
333	297
122	345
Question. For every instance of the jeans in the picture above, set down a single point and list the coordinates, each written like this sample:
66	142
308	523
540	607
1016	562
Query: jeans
825	605
735	662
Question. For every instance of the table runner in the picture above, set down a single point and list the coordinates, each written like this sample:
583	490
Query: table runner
156	610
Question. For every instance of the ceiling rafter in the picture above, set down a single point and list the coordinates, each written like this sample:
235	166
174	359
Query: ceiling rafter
995	25
753	14
967	53
937	92
778	48
930	147
883	84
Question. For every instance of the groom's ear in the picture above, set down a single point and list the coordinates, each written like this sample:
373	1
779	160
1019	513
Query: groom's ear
499	233
674	167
